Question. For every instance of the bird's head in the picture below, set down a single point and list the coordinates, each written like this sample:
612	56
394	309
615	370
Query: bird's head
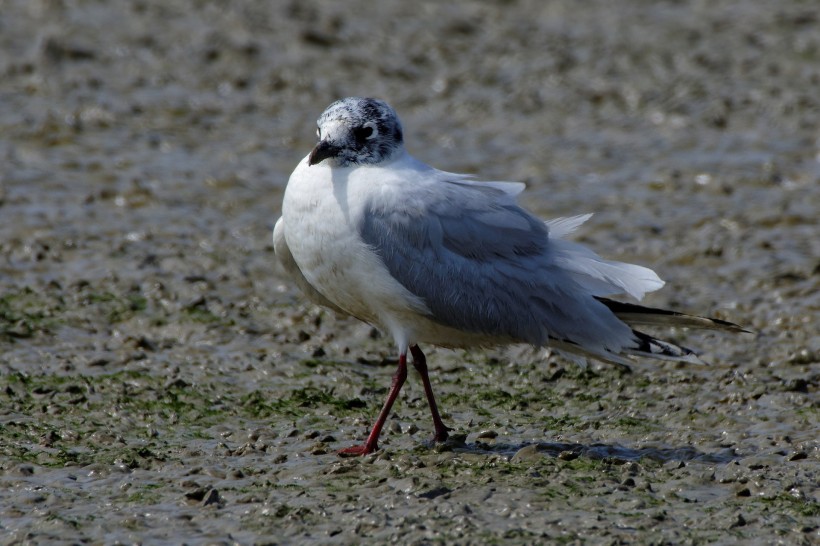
357	131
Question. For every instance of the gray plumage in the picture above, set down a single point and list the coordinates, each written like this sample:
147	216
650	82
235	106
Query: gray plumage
486	266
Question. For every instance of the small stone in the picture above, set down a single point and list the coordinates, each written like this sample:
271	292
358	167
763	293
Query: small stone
341	468
528	453
435	492
796	385
568	455
197	494
212	497
411	429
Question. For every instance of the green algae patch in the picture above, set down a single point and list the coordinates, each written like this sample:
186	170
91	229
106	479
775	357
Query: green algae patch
55	420
25	312
795	504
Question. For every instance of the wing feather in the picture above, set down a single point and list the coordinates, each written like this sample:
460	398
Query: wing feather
483	264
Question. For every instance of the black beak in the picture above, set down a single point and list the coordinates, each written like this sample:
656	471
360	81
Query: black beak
322	151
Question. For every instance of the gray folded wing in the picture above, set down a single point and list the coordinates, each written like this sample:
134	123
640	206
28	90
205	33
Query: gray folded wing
483	264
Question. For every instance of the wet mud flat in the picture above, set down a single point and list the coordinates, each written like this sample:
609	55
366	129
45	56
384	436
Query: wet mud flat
161	381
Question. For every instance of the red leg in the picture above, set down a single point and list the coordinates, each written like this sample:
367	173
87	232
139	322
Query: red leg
420	363
372	442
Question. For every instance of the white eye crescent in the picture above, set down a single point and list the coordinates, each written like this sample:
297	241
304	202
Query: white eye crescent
318	133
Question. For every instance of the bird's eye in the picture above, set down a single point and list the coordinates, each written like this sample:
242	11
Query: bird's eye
318	133
362	133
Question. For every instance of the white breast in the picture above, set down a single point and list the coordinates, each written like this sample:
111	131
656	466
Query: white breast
321	209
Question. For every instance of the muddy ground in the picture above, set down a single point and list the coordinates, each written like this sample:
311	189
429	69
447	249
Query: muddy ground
161	381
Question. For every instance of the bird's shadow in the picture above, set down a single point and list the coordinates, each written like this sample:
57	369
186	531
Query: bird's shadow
606	452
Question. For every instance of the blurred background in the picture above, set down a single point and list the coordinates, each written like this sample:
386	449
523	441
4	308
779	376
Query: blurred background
145	146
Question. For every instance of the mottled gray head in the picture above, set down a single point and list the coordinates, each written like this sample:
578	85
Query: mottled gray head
357	131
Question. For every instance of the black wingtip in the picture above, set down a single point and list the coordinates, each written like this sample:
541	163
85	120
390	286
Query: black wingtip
638	314
665	350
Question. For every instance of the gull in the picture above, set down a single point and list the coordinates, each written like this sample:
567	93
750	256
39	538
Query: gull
429	256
